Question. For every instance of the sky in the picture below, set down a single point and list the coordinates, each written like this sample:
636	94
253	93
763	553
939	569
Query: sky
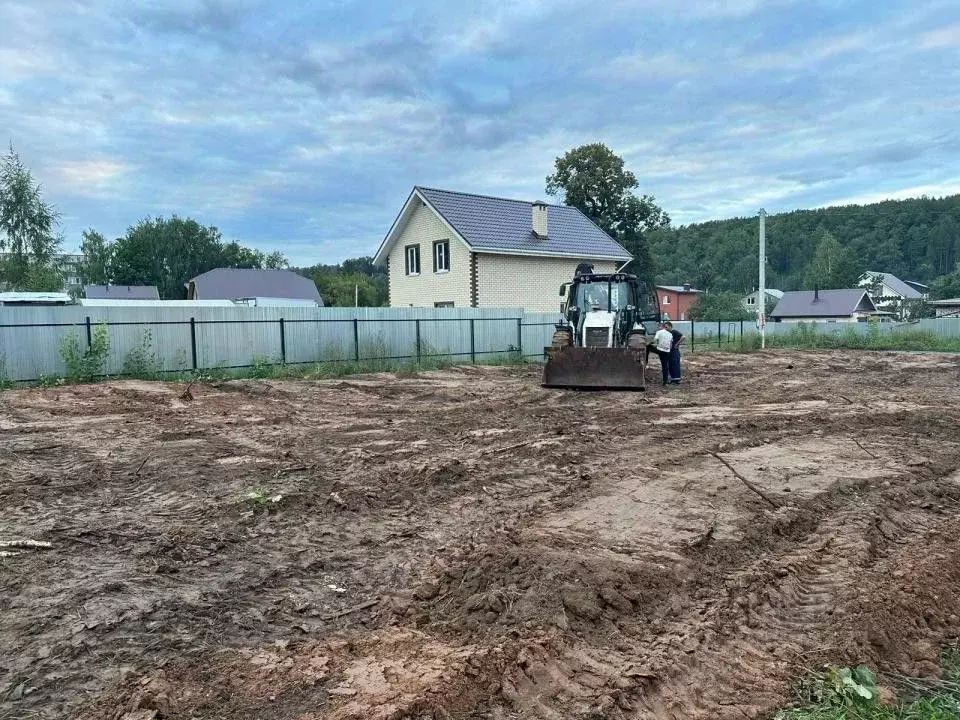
303	126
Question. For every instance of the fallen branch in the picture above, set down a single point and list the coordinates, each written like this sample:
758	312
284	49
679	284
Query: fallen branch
140	466
753	488
513	447
859	445
7	553
41	448
291	469
27	544
350	610
186	394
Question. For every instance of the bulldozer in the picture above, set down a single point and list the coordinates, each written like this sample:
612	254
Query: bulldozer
600	343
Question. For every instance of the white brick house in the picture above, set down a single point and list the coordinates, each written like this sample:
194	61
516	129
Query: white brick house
450	249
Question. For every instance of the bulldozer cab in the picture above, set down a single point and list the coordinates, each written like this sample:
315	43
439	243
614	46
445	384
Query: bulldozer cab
622	295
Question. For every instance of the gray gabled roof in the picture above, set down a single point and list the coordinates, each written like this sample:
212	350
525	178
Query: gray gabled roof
896	284
121	292
235	283
829	303
501	225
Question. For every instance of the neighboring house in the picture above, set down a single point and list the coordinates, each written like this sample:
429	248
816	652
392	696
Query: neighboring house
850	305
453	249
946	308
121	292
924	290
750	301
890	293
254	287
67	263
676	301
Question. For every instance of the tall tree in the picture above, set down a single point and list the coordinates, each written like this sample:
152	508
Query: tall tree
97	258
943	244
831	267
27	230
594	179
167	253
720	306
276	261
338	283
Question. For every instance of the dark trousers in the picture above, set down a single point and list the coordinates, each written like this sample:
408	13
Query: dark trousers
664	365
675	364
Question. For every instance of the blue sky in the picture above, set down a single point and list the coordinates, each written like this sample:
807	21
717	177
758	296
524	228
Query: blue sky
302	126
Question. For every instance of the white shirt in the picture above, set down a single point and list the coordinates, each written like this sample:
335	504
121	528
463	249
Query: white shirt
663	340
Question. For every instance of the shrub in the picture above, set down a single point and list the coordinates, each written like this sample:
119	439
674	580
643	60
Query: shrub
85	365
141	362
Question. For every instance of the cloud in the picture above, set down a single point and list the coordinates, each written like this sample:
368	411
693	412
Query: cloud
946	37
303	126
86	175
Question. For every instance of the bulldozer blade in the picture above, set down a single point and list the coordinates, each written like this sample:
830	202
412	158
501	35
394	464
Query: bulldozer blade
594	368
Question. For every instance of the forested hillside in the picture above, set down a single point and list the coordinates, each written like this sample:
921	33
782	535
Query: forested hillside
913	239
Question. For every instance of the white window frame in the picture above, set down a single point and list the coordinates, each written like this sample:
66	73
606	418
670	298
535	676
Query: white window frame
751	301
666	300
441	250
411	255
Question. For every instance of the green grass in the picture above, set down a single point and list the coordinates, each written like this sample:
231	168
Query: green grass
844	694
271	369
806	337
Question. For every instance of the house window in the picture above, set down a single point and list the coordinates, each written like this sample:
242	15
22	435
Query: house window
666	300
441	256
444	304
413	259
751	301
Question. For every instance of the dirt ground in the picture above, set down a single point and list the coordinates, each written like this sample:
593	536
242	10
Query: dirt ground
466	544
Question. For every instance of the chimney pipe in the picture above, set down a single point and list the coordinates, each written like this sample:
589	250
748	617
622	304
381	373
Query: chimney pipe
816	293
686	287
539	211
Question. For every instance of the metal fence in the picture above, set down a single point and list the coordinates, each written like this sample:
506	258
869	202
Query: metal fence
181	339
739	334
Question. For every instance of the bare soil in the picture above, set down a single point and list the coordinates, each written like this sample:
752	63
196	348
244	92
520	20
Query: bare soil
466	544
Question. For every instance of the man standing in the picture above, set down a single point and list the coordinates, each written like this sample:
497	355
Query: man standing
676	338
663	342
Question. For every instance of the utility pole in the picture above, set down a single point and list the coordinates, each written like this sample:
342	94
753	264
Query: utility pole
356	295
762	302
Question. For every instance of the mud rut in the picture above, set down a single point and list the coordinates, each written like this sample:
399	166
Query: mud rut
465	544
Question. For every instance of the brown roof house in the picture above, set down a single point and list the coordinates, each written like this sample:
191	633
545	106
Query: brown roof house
254	287
849	305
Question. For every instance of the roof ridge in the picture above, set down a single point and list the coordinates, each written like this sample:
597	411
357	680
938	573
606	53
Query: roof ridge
491	197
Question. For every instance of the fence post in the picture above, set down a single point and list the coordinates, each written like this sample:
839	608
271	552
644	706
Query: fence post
473	344
193	341
719	334
283	344
89	334
418	340
520	336
693	336
356	340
